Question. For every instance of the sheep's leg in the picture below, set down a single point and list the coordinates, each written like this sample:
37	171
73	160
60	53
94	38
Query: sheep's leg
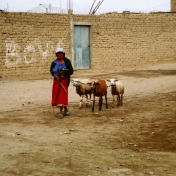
106	101
121	99
93	103
100	102
112	101
87	101
118	100
81	102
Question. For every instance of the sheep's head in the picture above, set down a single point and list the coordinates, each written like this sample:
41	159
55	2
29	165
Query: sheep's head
78	82
75	82
112	81
94	86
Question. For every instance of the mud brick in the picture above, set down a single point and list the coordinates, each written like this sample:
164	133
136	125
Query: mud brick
130	38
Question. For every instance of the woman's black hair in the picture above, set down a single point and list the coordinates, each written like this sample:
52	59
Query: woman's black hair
61	52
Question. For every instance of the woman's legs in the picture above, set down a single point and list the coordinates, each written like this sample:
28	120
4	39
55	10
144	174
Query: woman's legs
65	109
61	109
61	112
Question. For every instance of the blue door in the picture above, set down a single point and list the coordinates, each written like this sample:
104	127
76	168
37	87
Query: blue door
81	47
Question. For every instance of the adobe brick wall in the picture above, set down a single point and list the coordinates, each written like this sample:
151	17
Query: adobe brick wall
28	40
173	5
132	39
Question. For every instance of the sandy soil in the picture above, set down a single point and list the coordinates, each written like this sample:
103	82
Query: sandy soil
136	139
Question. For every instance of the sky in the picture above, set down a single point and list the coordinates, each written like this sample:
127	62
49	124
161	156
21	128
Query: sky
84	6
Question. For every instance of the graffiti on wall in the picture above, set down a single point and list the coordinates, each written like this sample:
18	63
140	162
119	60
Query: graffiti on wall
31	52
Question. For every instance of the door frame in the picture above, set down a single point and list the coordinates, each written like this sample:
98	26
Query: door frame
72	40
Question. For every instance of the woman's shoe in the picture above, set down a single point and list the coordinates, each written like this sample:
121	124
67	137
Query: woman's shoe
60	116
65	113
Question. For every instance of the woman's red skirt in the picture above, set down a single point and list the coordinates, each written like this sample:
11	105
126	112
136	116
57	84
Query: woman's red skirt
59	95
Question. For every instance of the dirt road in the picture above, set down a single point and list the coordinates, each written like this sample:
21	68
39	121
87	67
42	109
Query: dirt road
136	139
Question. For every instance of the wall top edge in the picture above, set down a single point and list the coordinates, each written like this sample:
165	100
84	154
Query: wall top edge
108	13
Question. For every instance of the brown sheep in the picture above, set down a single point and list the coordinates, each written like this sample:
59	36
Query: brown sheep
99	89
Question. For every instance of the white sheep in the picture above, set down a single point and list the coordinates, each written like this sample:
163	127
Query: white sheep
117	88
83	88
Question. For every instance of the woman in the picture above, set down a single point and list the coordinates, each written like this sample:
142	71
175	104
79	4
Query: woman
61	69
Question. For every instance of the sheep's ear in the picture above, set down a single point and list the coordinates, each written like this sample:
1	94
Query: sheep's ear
97	83
116	80
89	83
76	79
108	80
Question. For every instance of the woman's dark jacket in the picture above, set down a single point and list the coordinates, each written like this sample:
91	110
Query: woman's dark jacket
67	72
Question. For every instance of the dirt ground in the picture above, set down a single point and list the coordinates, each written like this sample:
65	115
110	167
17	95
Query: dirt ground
136	139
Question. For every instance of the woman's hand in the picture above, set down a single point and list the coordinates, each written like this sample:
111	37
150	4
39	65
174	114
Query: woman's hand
61	72
56	77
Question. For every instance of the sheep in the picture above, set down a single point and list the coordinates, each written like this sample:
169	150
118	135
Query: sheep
117	88
99	89
83	88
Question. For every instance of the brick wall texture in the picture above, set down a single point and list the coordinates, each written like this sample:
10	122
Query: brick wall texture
28	40
173	5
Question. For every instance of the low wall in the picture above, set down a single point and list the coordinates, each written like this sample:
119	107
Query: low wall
28	40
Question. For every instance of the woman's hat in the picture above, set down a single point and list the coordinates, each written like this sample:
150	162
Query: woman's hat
60	50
